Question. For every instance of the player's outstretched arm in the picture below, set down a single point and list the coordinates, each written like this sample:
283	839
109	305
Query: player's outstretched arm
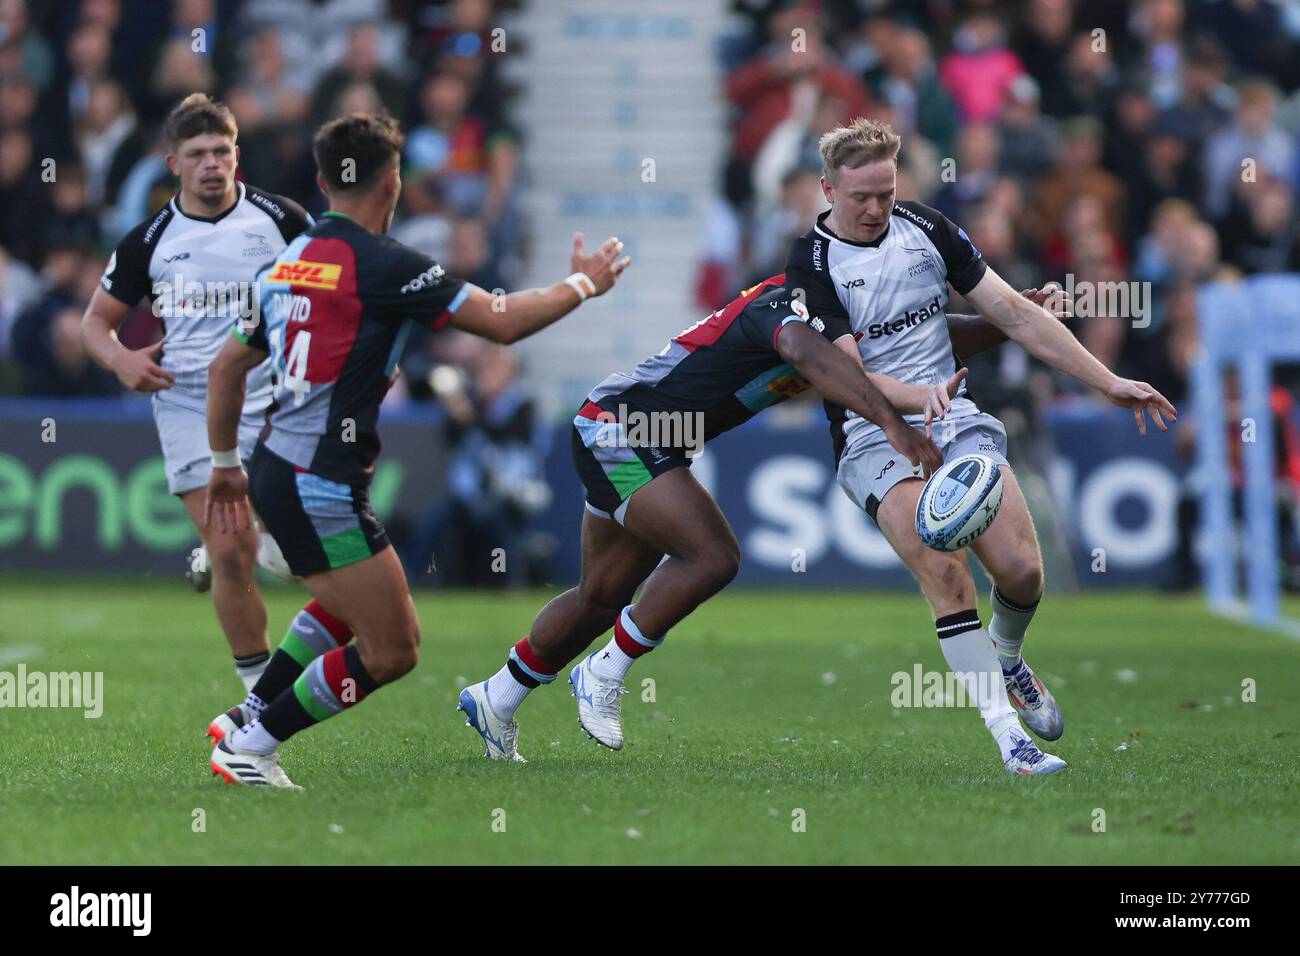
524	313
934	401
972	334
137	369
842	382
1041	335
228	487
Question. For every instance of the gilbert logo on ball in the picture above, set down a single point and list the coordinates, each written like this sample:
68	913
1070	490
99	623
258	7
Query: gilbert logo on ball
959	502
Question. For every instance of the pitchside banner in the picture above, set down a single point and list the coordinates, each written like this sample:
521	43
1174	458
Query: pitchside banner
82	486
82	489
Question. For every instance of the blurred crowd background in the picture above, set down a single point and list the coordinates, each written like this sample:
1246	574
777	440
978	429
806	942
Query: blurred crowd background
86	84
1153	141
1103	140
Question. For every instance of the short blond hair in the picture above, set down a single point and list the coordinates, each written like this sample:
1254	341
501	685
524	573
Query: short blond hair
862	141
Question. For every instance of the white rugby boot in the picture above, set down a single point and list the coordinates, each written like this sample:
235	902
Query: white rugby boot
1034	702
500	737
1019	754
252	769
226	723
600	704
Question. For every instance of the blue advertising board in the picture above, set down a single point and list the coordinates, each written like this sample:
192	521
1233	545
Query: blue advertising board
90	495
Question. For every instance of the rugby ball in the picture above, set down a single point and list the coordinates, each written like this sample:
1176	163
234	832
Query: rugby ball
959	502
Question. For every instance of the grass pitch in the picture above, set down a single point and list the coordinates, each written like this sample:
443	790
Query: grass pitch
769	710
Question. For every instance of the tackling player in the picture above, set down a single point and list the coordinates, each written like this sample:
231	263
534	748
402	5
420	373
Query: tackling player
875	271
337	306
195	260
643	502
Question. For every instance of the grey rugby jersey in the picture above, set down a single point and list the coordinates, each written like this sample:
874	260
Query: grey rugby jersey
197	272
890	295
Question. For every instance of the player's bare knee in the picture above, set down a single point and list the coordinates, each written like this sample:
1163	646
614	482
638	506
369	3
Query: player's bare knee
230	560
396	660
719	565
1022	581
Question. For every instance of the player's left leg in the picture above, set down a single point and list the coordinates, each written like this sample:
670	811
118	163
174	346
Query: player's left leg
235	597
1009	552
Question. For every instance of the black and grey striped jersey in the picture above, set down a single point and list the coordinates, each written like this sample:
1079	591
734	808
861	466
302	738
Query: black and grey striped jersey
890	295
727	366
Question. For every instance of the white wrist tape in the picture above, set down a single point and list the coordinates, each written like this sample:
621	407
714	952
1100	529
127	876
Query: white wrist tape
581	283
226	459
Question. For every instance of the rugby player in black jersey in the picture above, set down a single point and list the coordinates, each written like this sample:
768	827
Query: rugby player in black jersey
632	442
336	307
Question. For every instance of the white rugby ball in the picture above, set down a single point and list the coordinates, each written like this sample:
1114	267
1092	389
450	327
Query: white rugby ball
959	502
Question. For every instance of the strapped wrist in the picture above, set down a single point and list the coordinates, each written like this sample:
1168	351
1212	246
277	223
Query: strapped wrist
581	283
226	459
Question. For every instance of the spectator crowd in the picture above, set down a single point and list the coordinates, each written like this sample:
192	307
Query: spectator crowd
1154	141
86	84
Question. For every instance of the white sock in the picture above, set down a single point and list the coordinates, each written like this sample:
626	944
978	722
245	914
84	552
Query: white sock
505	693
969	653
1006	730
1007	628
254	738
253	706
250	668
611	662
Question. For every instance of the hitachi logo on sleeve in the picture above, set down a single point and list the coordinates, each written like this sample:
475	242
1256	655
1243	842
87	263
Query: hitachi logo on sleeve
909	319
103	909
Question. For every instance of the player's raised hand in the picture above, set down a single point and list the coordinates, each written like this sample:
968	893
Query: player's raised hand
938	401
139	370
604	266
1144	400
1052	298
227	499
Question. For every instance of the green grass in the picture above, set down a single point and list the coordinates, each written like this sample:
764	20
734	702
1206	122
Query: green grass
765	702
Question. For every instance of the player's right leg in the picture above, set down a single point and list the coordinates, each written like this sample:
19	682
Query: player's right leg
332	540
1009	552
182	434
946	582
269	557
674	515
380	612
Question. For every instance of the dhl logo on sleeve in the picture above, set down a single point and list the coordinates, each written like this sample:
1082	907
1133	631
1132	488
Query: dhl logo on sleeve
314	275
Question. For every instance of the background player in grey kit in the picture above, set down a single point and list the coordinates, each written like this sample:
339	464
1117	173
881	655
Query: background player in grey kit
195	260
